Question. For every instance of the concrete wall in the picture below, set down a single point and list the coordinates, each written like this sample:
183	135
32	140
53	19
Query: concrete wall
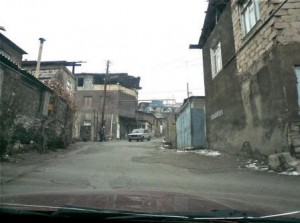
198	127
254	97
225	115
170	130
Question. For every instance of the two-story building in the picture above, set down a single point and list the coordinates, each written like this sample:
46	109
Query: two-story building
54	70
251	71
109	100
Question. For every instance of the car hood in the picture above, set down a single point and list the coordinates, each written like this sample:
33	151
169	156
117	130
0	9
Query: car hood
140	201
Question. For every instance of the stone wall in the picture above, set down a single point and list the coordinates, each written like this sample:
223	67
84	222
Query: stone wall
282	28
22	91
24	112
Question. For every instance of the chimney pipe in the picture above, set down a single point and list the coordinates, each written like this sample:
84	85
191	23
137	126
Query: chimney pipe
38	65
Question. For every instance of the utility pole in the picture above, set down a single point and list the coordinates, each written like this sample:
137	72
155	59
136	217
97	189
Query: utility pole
104	98
38	65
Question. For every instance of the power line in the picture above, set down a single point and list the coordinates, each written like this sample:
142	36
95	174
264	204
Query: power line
171	91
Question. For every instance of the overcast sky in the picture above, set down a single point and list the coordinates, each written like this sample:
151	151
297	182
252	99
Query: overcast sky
146	38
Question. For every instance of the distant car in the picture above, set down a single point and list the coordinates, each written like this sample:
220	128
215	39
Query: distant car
139	135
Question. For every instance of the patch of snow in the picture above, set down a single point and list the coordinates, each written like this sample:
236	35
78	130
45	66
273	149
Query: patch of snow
252	166
292	173
207	152
264	168
204	152
255	166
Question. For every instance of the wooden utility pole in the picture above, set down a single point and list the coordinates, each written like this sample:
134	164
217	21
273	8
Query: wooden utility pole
104	98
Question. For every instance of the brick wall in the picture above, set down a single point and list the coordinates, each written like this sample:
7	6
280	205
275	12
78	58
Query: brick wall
283	28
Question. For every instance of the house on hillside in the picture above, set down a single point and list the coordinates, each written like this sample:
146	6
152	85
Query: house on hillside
190	123
251	71
109	101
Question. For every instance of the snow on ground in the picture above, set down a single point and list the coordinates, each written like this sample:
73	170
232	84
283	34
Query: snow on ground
250	164
292	173
254	165
205	152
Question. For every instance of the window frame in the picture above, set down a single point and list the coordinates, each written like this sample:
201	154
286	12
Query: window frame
69	86
216	59
250	15
79	80
297	74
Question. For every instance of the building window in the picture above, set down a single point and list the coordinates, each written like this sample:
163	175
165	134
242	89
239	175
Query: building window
98	80
249	14
69	86
80	82
297	71
216	59
88	101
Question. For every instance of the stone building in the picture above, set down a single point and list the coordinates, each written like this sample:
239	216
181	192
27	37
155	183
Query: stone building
115	109
251	67
54	70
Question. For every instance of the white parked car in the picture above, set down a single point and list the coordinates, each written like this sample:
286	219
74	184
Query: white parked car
139	135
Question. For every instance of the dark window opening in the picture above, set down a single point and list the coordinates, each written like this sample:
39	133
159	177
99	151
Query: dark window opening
80	82
98	80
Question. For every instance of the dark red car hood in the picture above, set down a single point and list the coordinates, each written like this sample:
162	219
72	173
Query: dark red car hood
141	201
